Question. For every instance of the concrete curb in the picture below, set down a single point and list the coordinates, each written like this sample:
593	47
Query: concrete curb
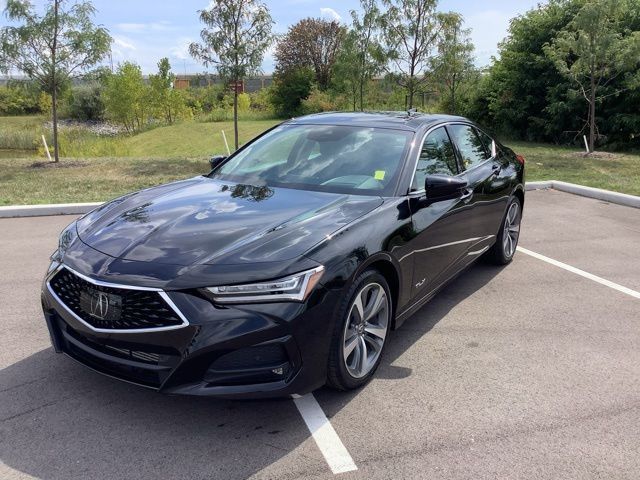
597	193
538	185
45	210
81	208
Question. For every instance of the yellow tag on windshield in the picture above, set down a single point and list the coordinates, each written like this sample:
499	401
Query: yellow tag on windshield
379	175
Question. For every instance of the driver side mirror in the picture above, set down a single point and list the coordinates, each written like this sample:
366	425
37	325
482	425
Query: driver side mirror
216	160
441	187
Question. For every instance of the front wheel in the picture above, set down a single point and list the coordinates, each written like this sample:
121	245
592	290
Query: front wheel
507	240
360	333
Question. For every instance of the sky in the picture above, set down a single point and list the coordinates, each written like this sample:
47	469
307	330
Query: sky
146	30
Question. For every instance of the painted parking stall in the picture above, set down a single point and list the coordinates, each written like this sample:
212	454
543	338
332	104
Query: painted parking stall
526	371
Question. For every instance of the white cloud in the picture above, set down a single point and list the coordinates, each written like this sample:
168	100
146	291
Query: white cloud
123	42
144	27
331	13
181	50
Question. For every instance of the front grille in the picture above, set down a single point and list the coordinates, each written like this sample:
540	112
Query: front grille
112	308
135	354
148	365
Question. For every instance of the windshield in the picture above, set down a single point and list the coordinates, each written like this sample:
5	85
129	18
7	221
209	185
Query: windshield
331	158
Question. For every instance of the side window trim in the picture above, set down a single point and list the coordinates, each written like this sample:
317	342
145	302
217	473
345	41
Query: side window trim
459	162
487	148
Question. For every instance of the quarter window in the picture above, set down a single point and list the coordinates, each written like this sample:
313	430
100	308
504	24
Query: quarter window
487	141
436	158
469	145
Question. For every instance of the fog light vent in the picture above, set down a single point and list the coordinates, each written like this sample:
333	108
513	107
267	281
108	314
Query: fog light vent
250	365
252	357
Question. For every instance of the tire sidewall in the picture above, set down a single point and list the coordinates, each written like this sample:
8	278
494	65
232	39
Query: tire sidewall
505	259
337	363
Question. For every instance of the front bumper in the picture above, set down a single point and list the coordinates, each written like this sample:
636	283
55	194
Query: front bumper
244	351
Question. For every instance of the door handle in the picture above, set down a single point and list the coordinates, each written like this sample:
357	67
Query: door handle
495	169
466	194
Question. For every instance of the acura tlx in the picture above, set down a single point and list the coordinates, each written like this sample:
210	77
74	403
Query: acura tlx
289	264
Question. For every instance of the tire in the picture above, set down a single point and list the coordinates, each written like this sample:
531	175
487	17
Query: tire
369	335
501	253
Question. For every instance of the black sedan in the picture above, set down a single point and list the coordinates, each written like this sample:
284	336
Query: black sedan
287	266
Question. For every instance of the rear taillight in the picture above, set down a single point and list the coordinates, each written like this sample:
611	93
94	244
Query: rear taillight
521	159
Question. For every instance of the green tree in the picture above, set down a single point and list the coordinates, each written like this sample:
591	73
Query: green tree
311	43
346	71
126	97
411	29
167	102
290	87
453	64
54	47
365	45
593	50
236	36
522	94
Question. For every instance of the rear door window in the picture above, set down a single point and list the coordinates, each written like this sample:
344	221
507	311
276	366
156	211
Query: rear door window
469	145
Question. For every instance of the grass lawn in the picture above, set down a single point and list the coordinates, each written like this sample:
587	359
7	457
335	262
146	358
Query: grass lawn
192	139
180	151
88	180
620	173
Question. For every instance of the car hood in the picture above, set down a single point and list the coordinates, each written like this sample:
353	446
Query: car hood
207	221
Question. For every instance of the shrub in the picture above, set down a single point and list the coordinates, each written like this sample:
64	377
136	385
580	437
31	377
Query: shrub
289	89
45	103
319	101
244	102
85	102
261	100
126	97
19	98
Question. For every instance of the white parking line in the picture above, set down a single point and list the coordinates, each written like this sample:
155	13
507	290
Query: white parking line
334	451
582	273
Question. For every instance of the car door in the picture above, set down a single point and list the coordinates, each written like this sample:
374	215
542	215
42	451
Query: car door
440	230
497	187
478	168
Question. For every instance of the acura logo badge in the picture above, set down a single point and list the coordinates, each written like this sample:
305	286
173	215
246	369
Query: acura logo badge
99	305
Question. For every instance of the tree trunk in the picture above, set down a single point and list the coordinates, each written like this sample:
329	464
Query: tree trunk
361	92
453	101
592	116
54	81
54	118
453	95
235	114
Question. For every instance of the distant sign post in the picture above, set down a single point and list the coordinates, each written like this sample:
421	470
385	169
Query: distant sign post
237	87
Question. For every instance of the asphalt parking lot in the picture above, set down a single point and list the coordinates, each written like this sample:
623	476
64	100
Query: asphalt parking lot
529	371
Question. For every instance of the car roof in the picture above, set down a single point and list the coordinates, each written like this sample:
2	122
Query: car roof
413	121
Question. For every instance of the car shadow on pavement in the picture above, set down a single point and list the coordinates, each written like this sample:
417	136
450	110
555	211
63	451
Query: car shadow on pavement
59	420
414	329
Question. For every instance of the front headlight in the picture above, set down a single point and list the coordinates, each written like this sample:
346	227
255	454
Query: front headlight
67	237
293	288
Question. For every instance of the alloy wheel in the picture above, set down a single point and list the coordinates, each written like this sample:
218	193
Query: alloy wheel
366	329
511	230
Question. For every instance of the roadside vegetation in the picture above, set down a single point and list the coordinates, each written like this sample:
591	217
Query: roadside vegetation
182	150
119	130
